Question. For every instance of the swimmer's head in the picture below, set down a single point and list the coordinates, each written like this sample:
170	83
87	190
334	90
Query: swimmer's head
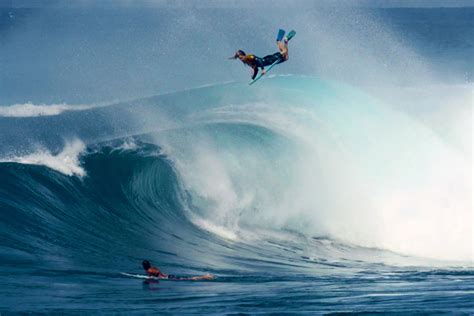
146	264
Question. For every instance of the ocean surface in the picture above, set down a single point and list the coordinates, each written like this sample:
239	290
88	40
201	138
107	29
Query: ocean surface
341	183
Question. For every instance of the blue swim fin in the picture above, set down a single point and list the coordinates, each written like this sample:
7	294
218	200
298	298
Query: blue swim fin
290	35
280	35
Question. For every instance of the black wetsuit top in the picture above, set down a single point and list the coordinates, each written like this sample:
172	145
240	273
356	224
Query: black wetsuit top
267	61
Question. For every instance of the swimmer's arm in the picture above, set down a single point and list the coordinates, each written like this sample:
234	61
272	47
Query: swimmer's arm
153	272
193	278
162	276
202	277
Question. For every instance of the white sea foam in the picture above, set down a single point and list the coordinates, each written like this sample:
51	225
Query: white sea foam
350	168
66	162
128	144
221	231
32	110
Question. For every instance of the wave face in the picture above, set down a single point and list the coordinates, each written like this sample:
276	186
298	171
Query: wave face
298	181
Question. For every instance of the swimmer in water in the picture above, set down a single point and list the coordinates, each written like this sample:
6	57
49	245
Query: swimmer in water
155	272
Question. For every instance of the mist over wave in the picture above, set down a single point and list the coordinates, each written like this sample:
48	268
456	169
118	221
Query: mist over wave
93	56
380	180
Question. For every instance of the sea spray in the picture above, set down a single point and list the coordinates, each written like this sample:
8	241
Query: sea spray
66	161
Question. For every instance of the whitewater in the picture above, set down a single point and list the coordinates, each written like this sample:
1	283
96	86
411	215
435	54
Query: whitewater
310	192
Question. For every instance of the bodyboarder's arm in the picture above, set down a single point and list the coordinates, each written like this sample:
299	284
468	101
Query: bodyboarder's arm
255	72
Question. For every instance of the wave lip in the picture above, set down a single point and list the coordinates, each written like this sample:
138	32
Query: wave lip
66	162
32	110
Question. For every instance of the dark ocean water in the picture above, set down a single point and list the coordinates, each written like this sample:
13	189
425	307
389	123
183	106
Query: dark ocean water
65	242
304	194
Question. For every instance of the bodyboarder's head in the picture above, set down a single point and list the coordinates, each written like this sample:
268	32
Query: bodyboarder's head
239	54
146	264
